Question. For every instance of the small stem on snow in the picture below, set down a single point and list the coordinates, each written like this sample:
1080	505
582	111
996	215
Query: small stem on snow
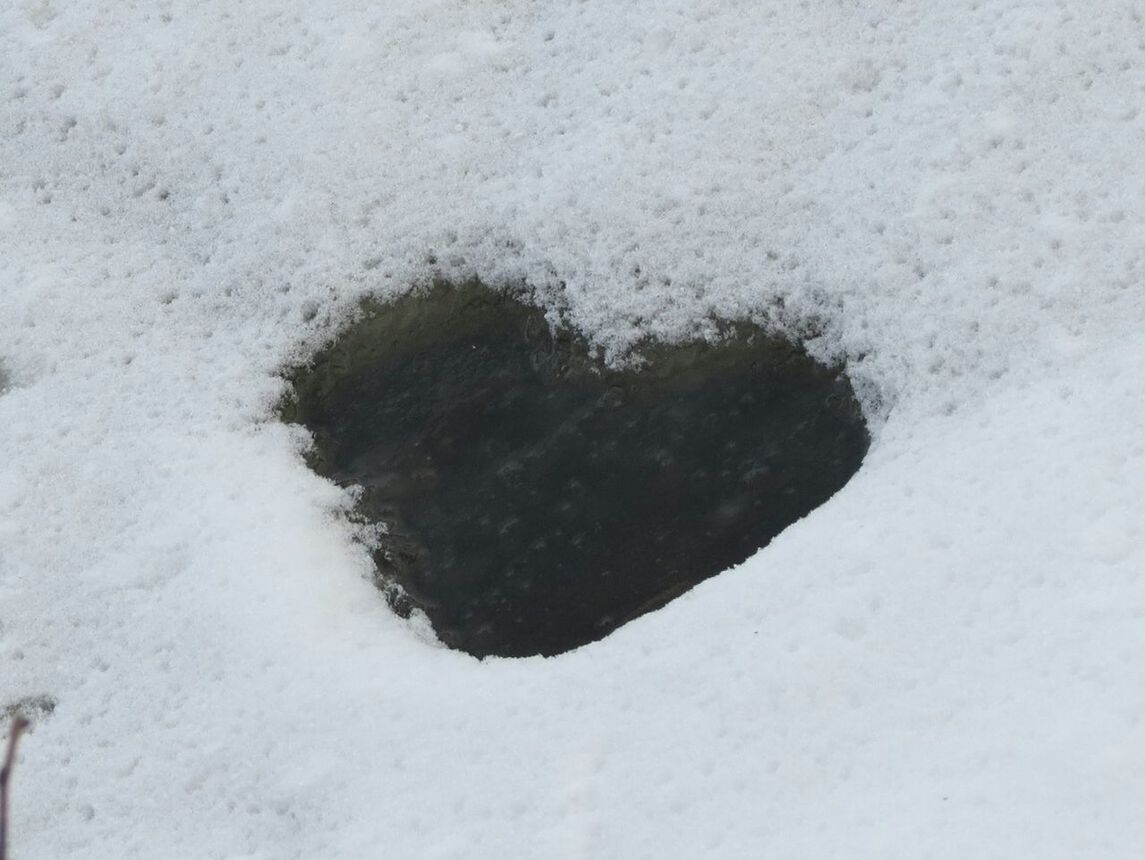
18	726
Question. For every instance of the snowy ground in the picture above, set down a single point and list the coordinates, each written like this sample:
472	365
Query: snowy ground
946	660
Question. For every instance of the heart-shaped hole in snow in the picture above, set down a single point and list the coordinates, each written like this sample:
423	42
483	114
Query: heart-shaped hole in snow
533	500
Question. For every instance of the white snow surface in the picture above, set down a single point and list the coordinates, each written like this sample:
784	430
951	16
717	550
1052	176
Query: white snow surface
945	660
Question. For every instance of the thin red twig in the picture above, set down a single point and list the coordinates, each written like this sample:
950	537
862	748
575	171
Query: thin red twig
18	726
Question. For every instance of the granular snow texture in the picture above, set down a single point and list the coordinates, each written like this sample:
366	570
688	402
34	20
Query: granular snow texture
943	661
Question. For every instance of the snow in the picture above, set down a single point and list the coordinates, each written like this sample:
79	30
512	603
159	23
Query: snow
943	661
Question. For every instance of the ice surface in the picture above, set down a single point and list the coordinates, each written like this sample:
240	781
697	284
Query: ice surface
945	660
528	499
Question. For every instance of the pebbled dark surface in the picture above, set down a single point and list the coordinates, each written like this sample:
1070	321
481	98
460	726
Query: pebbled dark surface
536	502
